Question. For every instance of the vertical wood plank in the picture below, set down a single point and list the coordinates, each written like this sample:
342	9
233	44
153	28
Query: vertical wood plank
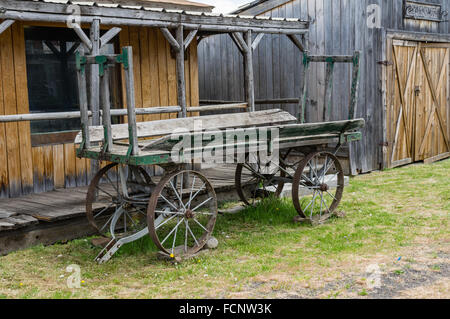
162	72
134	42
153	69
10	107
58	166
69	166
49	182
38	169
4	180
26	162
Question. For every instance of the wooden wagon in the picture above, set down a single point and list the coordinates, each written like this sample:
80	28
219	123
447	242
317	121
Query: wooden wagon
151	186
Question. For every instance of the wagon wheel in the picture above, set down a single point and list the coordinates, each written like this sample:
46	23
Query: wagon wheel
312	192
111	212
181	219
254	181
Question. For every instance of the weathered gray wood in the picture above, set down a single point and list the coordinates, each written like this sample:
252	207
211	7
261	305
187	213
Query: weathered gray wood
5	25
94	75
131	103
108	36
258	39
297	42
181	84
55	12
165	127
328	90
169	37
249	75
217	107
189	38
82	96
75	114
106	108
237	42
83	37
243	45
286	134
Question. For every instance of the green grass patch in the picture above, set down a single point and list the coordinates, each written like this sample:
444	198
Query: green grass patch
385	212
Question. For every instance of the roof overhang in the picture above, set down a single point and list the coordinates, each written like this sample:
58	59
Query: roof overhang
116	14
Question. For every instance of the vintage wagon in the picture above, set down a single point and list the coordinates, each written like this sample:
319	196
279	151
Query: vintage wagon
178	209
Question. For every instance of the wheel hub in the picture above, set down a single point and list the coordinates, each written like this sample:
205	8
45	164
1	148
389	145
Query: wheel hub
189	214
324	187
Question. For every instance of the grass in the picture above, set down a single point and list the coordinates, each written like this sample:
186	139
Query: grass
386	213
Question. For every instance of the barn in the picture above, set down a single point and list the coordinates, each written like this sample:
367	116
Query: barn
404	76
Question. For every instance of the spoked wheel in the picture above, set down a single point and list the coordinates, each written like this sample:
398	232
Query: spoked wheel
255	181
117	199
318	185
181	217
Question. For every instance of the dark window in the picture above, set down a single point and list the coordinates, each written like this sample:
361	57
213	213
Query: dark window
52	77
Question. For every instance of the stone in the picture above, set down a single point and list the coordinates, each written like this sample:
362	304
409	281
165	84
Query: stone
212	243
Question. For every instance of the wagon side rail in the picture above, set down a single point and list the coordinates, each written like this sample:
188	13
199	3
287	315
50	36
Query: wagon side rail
330	61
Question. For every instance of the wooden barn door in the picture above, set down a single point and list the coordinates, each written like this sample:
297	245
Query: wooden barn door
431	141
417	113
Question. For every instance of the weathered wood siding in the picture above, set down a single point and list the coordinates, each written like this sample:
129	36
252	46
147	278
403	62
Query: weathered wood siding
337	27
25	169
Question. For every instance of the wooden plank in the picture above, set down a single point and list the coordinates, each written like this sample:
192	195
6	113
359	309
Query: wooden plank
145	69
286	133
134	42
69	165
38	169
26	161
58	166
4	179
81	173
154	99
436	158
49	181
10	107
162	71
164	127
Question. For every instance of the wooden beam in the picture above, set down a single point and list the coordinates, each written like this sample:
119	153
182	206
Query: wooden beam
169	37
242	43
249	77
95	79
56	12
76	114
83	37
108	36
181	84
106	108
296	42
238	44
257	40
218	107
131	103
5	25
164	127
189	38
84	108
